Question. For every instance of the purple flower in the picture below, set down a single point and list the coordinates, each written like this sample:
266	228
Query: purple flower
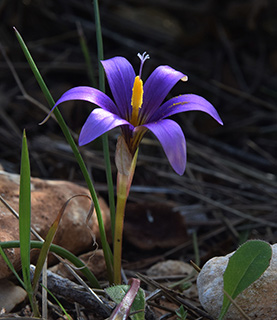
139	107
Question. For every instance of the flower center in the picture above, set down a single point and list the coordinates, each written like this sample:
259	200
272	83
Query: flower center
137	95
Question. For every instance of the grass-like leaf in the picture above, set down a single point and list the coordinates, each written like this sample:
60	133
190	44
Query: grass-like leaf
58	302
78	157
100	54
10	265
25	217
245	266
48	241
60	252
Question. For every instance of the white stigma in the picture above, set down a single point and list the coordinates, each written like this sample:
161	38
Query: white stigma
143	57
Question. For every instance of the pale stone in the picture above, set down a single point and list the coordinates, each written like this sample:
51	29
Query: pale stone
48	197
174	268
258	301
170	268
10	295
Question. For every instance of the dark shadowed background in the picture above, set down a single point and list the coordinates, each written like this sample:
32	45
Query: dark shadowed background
228	49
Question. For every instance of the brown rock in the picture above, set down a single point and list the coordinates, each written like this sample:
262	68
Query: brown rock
47	198
94	260
258	301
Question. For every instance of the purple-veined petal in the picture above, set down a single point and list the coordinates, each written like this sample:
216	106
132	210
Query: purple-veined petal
121	76
157	87
186	102
173	142
97	123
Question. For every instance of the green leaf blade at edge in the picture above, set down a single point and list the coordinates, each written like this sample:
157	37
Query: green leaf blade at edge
259	253
25	214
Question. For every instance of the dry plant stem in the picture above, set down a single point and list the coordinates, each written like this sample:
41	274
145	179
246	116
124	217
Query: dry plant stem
73	292
245	316
123	188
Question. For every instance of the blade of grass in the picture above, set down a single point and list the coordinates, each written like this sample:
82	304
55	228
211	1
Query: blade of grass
25	218
99	40
60	252
86	54
48	240
10	265
79	159
100	54
58	302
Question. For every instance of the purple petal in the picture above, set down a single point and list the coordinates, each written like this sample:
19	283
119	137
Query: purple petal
91	95
186	102
97	123
173	142
157	87
87	94
121	76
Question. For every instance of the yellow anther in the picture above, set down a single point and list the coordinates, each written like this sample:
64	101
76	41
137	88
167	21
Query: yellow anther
136	101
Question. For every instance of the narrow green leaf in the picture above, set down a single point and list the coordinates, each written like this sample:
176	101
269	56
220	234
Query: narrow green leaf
48	241
79	159
105	142
245	266
25	214
85	50
45	247
62	253
58	302
10	265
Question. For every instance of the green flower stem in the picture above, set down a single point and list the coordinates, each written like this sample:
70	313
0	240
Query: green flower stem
123	188
86	54
105	142
70	140
109	177
100	50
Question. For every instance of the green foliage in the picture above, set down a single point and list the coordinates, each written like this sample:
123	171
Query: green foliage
10	265
105	142
117	293
58	302
63	253
25	220
245	266
79	159
48	241
181	313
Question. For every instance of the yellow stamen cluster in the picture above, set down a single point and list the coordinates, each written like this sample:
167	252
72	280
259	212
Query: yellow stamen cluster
136	101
